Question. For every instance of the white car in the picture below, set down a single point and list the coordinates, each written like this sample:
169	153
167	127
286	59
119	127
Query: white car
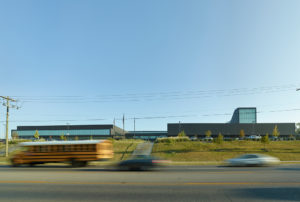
254	137
253	160
208	139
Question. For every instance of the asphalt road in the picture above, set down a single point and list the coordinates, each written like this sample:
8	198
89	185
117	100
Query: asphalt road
176	183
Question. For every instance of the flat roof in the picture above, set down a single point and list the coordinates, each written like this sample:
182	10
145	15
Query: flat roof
66	127
61	142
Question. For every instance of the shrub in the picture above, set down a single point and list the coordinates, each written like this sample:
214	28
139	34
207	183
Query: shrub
265	139
242	134
182	134
18	141
219	139
172	139
207	134
291	137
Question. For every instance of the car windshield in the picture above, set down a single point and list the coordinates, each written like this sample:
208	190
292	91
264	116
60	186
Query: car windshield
248	156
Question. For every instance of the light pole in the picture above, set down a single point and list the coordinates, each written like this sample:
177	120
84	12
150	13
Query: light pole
68	132
134	128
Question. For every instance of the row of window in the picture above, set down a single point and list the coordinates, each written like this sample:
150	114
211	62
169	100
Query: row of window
64	132
63	148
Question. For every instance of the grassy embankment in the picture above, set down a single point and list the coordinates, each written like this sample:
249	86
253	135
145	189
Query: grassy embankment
203	152
124	148
212	152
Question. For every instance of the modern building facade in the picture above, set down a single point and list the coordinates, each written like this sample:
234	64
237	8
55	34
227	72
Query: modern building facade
243	119
244	115
229	130
70	132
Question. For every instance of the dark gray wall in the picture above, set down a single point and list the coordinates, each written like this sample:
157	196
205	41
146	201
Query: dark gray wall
65	127
230	130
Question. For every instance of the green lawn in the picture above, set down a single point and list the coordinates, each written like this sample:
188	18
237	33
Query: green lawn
205	151
124	148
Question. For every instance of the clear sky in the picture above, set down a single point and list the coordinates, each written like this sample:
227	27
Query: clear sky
162	61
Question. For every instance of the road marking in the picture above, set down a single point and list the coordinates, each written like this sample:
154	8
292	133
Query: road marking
148	183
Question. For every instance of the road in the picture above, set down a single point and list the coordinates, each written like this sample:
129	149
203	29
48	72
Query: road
176	183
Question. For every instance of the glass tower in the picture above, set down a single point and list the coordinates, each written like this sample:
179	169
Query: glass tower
244	115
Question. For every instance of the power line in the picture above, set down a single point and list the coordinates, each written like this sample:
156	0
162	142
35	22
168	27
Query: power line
7	104
158	96
154	117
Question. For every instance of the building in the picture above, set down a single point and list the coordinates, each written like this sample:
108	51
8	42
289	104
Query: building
242	119
244	115
229	130
70	132
146	135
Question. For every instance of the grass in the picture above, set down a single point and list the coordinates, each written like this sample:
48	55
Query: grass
124	148
210	152
201	153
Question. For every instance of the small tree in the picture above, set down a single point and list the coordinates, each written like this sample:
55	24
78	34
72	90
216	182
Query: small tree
14	135
219	139
265	140
242	134
275	132
91	137
207	134
76	138
62	136
291	137
182	134
36	134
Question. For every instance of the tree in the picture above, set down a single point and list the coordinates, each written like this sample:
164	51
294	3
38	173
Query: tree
76	138
207	134
219	139
265	140
36	134
242	134
62	136
291	137
14	135
275	132
182	134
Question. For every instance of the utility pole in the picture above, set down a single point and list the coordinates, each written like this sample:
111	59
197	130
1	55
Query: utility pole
8	99
123	126
134	128
114	130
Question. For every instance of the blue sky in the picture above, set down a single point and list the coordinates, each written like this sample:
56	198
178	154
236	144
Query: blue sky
88	62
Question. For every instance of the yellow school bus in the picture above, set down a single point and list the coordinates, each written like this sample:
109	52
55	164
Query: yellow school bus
77	153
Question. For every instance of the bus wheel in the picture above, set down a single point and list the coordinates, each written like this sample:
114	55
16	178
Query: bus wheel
83	163
75	163
14	164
